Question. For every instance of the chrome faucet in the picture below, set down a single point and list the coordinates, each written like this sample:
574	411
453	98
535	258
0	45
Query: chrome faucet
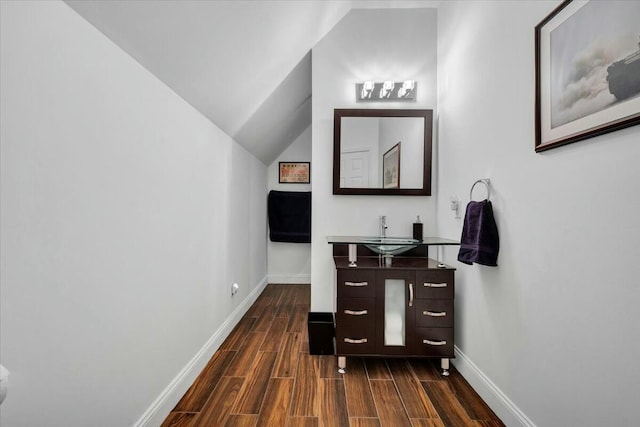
383	226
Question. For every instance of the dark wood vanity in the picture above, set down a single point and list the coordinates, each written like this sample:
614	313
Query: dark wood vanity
403	309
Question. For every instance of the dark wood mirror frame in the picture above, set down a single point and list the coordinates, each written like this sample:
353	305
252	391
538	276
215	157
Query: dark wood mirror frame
427	116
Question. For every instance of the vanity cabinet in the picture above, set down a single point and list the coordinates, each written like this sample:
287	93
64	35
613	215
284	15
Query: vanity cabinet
405	309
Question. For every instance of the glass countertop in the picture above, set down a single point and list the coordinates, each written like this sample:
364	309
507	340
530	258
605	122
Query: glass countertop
364	240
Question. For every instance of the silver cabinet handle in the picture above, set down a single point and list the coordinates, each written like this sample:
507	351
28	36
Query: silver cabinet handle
356	283
435	285
434	342
356	313
434	313
352	341
410	294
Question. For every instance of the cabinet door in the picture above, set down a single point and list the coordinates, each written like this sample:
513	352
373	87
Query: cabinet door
395	300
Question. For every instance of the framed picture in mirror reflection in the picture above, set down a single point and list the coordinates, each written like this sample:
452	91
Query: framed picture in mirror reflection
391	167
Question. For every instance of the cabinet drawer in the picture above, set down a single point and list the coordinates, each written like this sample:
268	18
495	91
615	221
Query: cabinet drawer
434	342
434	313
356	283
355	326
434	284
354	309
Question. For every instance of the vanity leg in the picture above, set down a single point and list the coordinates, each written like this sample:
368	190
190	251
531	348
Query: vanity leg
342	364
444	364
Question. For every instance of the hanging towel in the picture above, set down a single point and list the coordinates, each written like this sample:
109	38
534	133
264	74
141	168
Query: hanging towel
479	242
289	216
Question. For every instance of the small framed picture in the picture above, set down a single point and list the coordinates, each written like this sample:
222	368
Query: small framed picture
294	172
391	167
587	57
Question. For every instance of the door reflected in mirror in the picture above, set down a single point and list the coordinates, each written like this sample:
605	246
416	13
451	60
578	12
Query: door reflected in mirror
382	152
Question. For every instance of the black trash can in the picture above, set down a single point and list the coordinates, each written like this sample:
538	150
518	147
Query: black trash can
321	333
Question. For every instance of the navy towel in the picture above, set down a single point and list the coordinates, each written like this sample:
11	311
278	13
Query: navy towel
289	216
479	242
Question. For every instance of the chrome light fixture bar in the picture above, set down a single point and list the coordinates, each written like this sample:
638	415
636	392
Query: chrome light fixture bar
371	91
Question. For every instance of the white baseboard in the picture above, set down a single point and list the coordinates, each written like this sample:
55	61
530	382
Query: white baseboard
506	410
171	395
290	279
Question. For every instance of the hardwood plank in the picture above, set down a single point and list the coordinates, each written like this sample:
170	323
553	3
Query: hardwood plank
286	302
206	382
364	422
298	319
416	402
287	360
305	395
242	363
255	385
241	421
237	336
329	367
333	410
263	323
216	410
275	335
470	400
304	340
392	413
303	295
449	409
256	309
276	403
376	369
423	422
358	392
426	369
302	422
274	291
179	419
485	423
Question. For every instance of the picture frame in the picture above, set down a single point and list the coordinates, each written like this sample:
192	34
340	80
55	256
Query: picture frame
587	72
391	167
294	172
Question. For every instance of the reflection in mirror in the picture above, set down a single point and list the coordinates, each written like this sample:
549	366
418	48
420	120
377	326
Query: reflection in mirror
374	150
382	152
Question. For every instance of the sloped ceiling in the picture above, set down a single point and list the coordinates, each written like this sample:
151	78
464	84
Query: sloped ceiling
245	65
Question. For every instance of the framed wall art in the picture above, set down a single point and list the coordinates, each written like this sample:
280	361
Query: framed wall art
391	167
587	59
294	172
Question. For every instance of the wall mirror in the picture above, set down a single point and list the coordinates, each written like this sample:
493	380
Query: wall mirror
382	152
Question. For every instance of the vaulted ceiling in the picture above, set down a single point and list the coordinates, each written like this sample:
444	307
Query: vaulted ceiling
245	65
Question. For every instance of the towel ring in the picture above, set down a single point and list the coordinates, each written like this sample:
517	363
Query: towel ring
484	181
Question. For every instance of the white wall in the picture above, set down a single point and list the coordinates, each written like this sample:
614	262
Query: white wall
366	45
290	262
554	327
409	131
124	218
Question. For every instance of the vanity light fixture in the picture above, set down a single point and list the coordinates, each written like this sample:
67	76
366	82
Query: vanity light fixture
367	89
386	91
387	88
407	88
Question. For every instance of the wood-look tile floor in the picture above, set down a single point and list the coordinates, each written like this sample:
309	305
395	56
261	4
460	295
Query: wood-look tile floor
263	375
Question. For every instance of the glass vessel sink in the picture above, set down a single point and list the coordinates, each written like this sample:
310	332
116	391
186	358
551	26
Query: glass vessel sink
390	245
385	246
